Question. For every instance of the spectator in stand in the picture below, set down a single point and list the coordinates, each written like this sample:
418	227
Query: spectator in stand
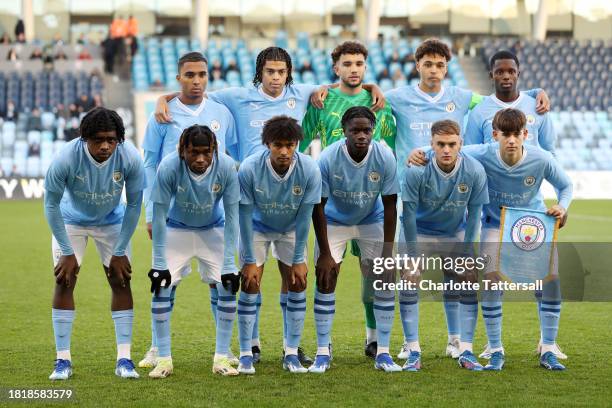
10	114
393	58
34	122
413	74
231	66
12	55
20	31
57	40
118	28
84	104
6	39
82	40
74	111
109	47
34	150
398	75
60	55
218	69
84	55
132	26
384	74
36	54
307	66
97	99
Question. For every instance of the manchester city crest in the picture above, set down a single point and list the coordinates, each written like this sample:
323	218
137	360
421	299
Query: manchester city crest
529	181
297	190
291	103
450	107
216	187
530	119
374	177
528	233
463	188
215	125
117	176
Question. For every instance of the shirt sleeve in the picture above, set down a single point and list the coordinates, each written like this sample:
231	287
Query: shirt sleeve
324	178
57	176
559	179
310	127
390	182
412	184
231	137
534	92
480	190
164	186
547	137
246	186
231	193
313	187
473	130
386	126
135	177
154	136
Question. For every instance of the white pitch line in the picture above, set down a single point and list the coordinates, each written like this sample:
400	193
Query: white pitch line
591	217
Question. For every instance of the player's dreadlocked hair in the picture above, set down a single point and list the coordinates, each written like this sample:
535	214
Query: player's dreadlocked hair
509	121
502	55
101	120
191	57
281	128
358	112
433	46
272	54
197	135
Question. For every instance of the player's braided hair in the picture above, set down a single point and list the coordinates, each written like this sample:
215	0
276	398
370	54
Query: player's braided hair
101	120
197	135
358	112
272	54
509	121
433	46
281	127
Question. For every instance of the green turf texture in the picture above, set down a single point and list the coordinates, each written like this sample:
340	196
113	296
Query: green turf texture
27	347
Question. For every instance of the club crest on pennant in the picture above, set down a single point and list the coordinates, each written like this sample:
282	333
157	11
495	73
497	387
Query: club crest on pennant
528	233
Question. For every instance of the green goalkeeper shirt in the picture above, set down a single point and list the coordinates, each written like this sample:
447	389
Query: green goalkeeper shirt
327	122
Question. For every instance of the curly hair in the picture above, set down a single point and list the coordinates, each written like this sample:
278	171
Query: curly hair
101	120
197	135
272	54
281	127
433	46
349	47
358	112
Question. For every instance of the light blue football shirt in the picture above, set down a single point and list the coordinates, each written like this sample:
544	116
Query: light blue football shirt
518	186
195	200
92	190
251	108
415	111
276	200
442	198
354	189
479	128
162	139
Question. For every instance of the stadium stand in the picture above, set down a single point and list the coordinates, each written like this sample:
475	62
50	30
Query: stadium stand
155	63
576	75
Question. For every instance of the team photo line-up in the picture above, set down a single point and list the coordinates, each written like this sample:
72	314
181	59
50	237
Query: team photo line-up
225	173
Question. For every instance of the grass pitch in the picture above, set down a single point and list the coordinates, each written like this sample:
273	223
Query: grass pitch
27	347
